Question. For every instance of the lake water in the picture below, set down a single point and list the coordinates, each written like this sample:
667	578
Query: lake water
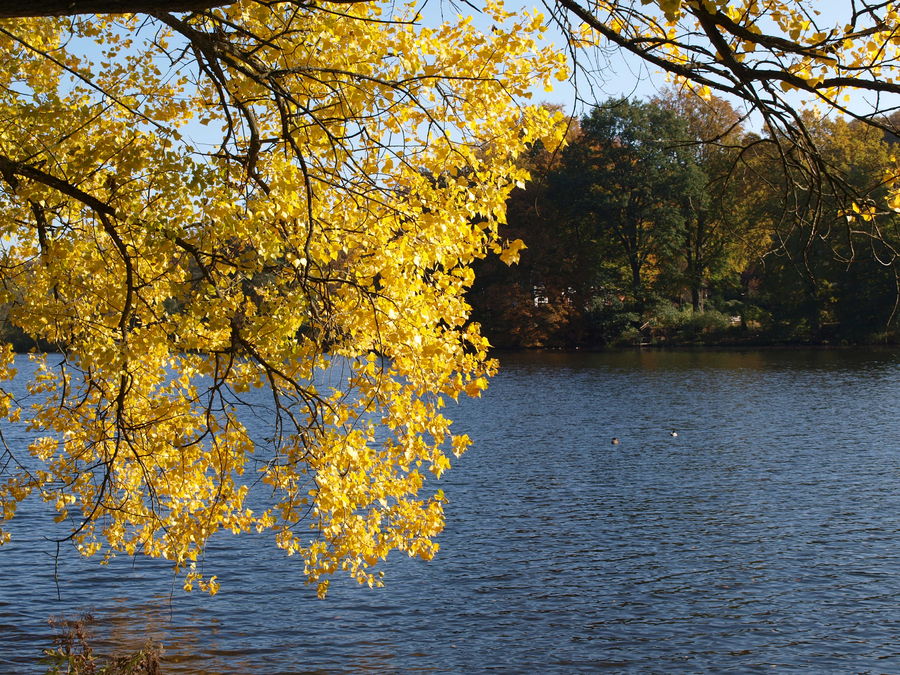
765	536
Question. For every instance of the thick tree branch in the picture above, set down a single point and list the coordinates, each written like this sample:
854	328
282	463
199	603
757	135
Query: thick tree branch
15	9
10	170
18	9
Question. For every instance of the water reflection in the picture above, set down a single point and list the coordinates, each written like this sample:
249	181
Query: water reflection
765	534
648	360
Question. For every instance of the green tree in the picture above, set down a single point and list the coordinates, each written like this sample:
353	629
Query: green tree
626	180
717	236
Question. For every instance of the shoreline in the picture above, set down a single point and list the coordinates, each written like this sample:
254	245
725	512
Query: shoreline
718	346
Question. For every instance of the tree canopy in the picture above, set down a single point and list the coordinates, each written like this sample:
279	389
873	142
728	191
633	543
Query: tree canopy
629	175
203	198
355	165
638	232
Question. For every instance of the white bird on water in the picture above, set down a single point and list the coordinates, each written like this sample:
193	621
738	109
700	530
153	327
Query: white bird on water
673	433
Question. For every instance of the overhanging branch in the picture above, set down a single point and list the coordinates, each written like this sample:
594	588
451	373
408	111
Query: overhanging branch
10	170
18	9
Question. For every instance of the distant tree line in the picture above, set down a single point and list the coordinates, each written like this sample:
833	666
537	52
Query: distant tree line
668	222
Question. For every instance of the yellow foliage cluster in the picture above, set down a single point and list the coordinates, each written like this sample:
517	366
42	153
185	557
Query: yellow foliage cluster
195	206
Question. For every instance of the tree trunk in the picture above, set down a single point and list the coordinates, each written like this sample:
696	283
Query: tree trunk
637	286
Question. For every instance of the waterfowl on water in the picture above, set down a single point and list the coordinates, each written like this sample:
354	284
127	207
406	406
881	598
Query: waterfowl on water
673	433
614	441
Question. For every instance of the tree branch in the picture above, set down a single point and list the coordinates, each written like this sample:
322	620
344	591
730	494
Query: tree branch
10	169
18	9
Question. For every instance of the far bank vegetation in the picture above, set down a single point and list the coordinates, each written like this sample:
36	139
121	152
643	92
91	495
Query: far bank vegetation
669	222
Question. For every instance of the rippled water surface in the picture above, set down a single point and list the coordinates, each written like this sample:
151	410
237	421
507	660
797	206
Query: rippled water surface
766	534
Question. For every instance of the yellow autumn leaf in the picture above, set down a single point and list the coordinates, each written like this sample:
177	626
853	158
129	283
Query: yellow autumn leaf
510	253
